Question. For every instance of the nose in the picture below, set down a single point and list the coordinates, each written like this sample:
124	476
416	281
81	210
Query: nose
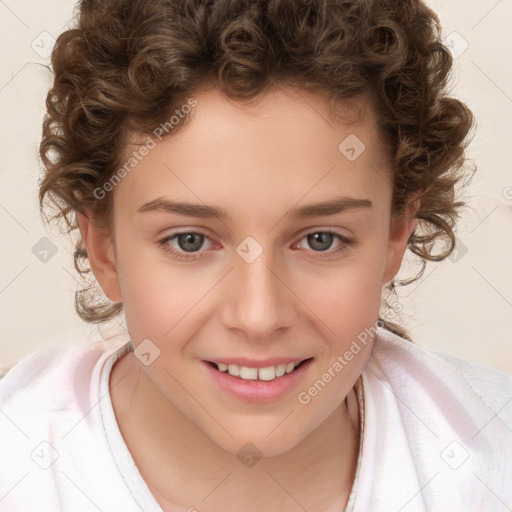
258	301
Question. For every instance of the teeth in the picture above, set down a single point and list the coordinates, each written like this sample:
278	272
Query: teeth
268	373
233	369
290	367
248	373
280	370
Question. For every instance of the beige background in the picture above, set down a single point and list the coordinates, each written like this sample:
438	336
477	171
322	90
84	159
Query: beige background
463	305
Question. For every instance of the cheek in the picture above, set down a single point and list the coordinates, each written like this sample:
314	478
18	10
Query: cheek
158	306
165	301
346	299
346	308
155	296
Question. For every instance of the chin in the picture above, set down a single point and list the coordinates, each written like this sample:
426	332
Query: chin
257	447
256	441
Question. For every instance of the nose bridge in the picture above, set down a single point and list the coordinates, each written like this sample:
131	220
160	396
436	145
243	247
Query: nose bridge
258	302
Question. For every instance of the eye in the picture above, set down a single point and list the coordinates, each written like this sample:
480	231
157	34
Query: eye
188	244
321	241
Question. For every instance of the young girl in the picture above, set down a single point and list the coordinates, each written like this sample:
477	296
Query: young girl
299	148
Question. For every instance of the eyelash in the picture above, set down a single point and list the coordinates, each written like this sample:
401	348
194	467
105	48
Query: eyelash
346	243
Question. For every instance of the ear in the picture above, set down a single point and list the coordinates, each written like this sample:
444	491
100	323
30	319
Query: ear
399	232
101	253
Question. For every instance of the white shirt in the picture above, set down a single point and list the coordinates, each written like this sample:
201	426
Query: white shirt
436	434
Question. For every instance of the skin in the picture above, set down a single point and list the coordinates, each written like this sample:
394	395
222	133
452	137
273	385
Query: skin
258	162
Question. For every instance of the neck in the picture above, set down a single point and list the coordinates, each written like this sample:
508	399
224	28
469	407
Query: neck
183	467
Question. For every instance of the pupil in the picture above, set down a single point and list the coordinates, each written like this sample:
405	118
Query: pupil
320	241
189	238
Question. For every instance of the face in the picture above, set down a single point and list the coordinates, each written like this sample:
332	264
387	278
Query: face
269	282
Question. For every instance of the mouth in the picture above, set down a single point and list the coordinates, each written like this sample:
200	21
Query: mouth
267	373
263	383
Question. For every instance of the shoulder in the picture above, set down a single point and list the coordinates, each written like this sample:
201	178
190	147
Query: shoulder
51	388
400	357
493	386
435	418
51	377
52	437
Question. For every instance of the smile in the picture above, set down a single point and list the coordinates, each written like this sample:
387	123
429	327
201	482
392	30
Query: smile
258	382
267	373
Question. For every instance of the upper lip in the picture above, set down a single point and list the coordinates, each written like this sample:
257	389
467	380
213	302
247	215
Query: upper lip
251	363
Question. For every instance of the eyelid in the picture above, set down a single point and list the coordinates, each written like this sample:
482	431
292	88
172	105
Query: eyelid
183	256
301	234
186	231
337	230
345	243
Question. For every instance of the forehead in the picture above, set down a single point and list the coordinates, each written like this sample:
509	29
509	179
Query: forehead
286	144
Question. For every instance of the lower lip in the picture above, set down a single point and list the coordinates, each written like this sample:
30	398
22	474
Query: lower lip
257	390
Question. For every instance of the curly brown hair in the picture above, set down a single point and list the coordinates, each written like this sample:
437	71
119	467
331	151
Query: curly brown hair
128	64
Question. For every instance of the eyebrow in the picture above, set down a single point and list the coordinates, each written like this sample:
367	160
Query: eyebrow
331	207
